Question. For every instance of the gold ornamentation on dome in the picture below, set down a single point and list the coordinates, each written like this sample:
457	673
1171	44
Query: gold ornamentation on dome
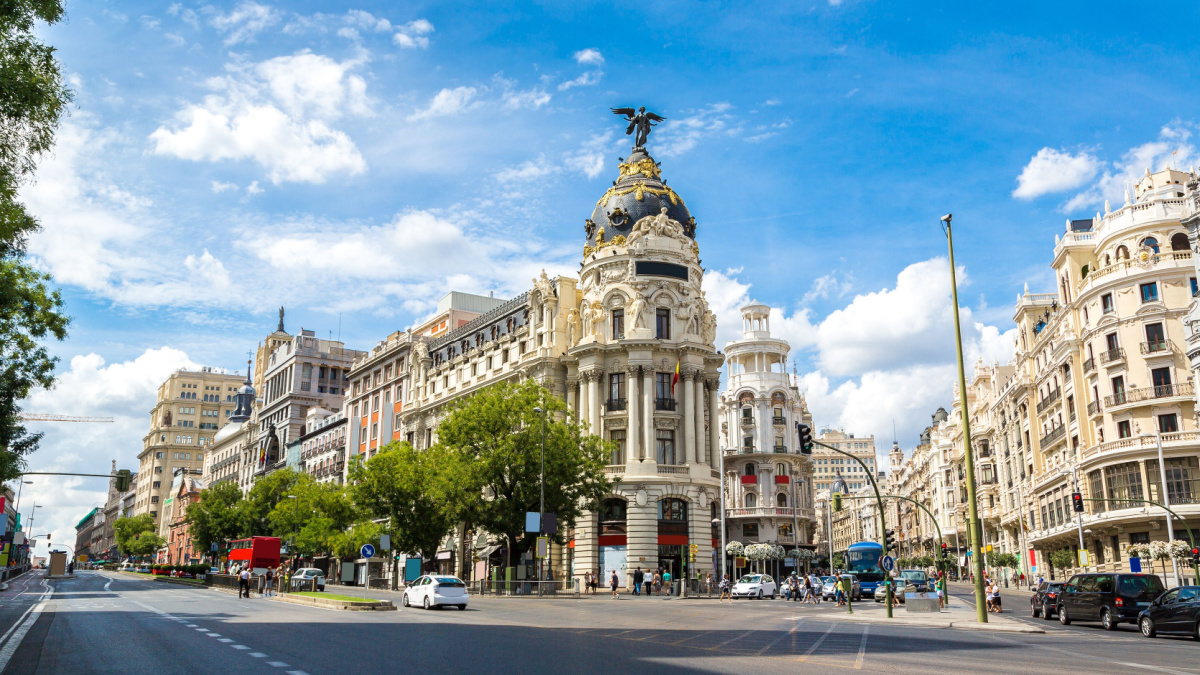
618	240
696	249
644	167
640	189
587	250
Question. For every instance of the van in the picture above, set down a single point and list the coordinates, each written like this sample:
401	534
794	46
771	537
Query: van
1110	598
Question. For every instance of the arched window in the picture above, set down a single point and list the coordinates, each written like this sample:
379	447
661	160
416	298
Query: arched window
1179	242
1107	260
672	508
751	500
751	469
1122	253
781	469
781	500
1151	243
612	510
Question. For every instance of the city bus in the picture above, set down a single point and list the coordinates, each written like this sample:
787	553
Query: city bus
257	553
862	560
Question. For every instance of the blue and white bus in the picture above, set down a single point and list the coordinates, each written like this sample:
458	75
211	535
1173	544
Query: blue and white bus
862	560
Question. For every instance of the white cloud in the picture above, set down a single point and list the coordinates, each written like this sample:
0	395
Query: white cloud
1051	171
1171	147
677	136
589	57
412	34
828	286
531	98
589	159
244	22
446	102
276	113
585	80
253	188
530	170
125	391
219	187
367	21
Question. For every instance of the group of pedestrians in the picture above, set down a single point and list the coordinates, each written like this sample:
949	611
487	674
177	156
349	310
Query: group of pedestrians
272	576
802	588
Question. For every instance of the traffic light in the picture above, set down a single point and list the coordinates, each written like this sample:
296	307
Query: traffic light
123	480
1077	501
889	541
837	502
1196	557
806	439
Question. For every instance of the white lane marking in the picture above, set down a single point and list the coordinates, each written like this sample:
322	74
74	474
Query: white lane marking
1154	668
257	655
225	640
296	672
201	630
277	664
781	636
106	586
862	650
190	625
733	638
214	635
243	647
22	626
816	644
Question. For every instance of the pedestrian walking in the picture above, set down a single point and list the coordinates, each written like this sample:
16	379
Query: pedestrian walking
648	582
587	582
268	579
658	582
638	578
725	589
814	588
244	583
666	581
613	583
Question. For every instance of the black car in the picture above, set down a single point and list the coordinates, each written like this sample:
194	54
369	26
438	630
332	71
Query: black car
1110	598
1044	600
1176	611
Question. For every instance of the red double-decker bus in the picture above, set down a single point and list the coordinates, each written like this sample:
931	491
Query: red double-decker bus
257	553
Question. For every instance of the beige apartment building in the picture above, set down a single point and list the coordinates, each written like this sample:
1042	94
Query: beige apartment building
828	465
192	405
1100	377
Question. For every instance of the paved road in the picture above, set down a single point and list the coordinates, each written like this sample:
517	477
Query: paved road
103	622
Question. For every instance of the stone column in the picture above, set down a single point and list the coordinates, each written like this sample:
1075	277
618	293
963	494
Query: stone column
698	400
764	426
581	410
594	402
633	439
572	406
689	422
648	415
714	424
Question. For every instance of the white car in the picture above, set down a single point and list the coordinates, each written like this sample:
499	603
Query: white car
755	586
306	574
435	591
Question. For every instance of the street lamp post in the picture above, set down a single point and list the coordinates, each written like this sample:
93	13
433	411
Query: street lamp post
1166	499
975	528
542	503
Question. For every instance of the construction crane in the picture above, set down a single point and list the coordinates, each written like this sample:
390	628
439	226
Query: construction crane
46	417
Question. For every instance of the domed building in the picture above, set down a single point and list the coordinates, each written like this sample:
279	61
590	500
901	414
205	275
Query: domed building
768	483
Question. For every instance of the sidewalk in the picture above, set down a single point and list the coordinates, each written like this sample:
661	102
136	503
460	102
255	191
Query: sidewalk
956	615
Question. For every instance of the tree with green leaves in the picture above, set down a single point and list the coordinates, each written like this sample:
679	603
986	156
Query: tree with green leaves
33	100
135	535
1061	559
496	439
314	516
217	516
267	493
403	486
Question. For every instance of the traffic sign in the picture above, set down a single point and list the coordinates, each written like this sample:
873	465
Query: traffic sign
543	547
367	551
887	562
1135	565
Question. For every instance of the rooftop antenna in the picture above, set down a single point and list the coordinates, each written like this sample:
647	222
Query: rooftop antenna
894	435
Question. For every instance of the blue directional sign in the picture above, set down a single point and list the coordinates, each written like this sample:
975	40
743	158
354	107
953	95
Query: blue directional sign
887	563
367	551
1135	564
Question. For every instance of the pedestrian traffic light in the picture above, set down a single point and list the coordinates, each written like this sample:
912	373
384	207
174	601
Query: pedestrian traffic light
1077	501
837	502
123	480
889	540
945	551
806	439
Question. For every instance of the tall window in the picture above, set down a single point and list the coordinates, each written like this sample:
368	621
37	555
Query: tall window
1110	341
1123	430
1106	302
1181	480
1161	377
616	389
665	446
751	469
1156	339
751	500
672	508
1149	292
662	391
747	413
1124	482
1168	423
781	500
618	324
617	436
1179	242
748	442
1118	390
662	323
1096	488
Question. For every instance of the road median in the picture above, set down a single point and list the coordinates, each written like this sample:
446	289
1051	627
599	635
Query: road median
337	602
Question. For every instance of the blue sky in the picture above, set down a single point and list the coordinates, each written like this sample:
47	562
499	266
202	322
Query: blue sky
355	162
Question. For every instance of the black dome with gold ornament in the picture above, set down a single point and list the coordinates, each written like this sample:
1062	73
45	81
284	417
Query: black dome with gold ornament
638	192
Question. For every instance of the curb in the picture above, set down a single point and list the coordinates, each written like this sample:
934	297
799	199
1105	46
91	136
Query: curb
952	624
163	580
345	605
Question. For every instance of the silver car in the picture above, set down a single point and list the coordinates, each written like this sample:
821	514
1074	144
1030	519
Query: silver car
829	588
900	586
305	575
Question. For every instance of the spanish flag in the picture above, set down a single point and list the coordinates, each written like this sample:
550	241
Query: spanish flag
676	378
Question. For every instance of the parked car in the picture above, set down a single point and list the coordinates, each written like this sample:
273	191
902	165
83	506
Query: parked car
918	580
128	567
1044	600
1176	611
900	586
1110	598
755	586
435	591
306	574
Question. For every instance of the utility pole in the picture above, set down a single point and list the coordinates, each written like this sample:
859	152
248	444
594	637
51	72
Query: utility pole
1166	499
1079	514
542	505
1021	534
976	529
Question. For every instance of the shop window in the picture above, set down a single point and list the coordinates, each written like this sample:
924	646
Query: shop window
672	508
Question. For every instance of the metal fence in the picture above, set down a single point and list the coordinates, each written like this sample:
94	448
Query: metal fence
521	587
232	581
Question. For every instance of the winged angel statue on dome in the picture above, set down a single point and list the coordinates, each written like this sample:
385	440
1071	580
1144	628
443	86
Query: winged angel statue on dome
640	121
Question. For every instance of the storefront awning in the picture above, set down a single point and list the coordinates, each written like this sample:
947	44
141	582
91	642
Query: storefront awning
444	555
487	552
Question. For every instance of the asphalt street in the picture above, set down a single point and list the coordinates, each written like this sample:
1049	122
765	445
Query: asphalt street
108	622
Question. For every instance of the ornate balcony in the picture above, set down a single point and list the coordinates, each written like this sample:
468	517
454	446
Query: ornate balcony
1049	400
1056	434
1094	408
616	404
1149	393
777	421
1112	356
760	512
1156	347
1089	365
664	404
